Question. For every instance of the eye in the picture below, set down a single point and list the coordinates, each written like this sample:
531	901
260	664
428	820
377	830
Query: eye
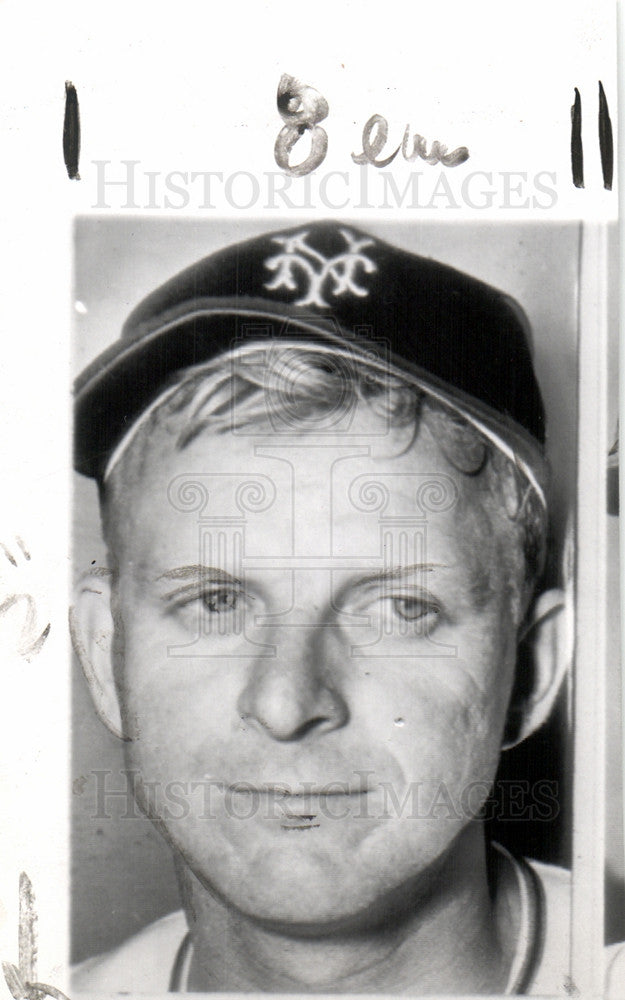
411	616
411	609
221	600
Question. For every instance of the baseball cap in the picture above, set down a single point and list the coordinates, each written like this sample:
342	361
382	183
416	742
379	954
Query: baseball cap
328	283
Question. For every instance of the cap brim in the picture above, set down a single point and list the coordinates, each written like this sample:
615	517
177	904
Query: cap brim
112	392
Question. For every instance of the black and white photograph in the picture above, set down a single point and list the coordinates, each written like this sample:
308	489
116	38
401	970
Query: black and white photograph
329	623
310	548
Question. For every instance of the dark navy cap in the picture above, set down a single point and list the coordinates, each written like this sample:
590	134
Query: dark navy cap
330	283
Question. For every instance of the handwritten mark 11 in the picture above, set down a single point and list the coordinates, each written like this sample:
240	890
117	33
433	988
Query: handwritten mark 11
606	142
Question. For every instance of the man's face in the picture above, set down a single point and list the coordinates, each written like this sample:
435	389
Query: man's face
317	652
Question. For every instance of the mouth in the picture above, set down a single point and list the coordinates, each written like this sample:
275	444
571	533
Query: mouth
306	805
303	790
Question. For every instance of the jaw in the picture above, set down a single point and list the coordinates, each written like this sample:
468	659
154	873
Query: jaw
407	938
301	888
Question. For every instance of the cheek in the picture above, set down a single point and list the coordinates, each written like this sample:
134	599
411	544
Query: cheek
438	735
172	701
444	714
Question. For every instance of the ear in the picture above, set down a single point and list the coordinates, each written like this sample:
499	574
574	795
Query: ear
548	635
92	631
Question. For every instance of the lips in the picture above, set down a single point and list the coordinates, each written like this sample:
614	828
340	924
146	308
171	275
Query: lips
303	809
299	790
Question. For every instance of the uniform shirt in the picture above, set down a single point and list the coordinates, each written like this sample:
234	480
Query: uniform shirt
145	963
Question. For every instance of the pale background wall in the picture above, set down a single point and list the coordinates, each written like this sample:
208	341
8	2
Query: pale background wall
122	875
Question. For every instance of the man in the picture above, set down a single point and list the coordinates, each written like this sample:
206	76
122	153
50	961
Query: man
324	495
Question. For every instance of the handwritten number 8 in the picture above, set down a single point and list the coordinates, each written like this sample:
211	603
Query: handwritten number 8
301	108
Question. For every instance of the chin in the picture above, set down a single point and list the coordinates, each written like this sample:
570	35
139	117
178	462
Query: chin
289	890
342	908
308	893
308	882
313	912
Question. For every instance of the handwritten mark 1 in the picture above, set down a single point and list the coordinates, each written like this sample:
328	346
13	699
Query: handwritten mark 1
301	108
31	639
71	132
606	144
21	979
577	151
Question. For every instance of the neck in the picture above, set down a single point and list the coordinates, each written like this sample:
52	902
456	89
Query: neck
443	940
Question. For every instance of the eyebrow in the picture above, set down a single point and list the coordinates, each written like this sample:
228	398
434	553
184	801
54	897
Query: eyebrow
396	572
192	572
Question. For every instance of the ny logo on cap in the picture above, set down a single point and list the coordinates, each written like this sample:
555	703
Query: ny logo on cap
317	269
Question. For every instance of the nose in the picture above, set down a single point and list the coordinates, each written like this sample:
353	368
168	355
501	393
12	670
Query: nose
298	691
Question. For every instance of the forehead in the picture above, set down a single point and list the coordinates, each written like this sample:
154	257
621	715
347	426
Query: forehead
377	497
